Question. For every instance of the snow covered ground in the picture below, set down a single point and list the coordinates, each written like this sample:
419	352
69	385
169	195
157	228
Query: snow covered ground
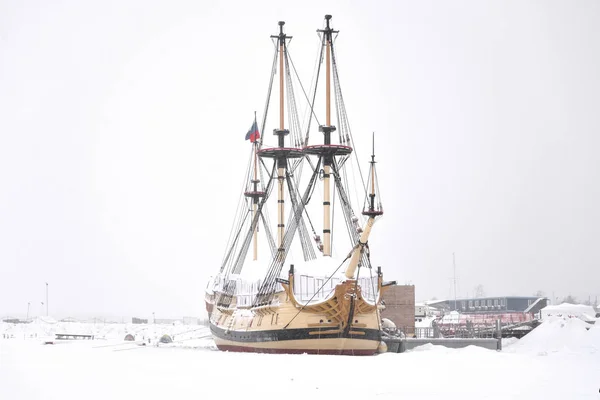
558	360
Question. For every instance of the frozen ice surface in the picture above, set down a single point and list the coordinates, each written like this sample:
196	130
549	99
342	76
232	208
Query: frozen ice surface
558	360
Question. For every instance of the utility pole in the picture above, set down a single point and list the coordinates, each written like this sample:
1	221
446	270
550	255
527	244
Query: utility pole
46	299
454	264
27	318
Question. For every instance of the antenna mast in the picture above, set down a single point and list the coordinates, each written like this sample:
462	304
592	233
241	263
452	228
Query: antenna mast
454	264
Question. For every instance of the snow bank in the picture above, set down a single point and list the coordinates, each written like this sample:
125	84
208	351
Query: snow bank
566	310
559	335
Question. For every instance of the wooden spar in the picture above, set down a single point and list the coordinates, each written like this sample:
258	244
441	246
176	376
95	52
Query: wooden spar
326	164
326	211
373	172
281	83
328	82
280	169
359	248
254	204
281	210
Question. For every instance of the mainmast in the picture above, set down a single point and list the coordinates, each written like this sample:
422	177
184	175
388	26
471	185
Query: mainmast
327	129
327	151
372	211
281	133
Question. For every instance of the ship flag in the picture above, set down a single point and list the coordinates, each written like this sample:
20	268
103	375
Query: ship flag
253	133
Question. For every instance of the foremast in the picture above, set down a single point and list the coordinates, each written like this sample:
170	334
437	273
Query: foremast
371	210
281	154
278	175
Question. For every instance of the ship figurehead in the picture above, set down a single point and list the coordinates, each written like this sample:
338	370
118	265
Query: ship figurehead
320	304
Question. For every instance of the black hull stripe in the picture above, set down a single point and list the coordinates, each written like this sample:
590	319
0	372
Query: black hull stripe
277	335
340	352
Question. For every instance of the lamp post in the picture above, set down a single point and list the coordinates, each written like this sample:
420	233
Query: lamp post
27	318
46	299
153	318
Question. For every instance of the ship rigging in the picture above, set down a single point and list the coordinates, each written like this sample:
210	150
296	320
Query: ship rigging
344	319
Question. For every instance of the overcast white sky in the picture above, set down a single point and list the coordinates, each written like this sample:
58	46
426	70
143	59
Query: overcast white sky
117	119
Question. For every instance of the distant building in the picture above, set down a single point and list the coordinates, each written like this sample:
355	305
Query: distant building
135	320
167	321
491	305
191	321
423	310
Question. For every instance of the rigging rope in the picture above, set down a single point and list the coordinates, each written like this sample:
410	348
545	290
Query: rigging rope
269	236
345	116
268	286
236	220
239	263
311	110
312	104
293	120
305	243
273	71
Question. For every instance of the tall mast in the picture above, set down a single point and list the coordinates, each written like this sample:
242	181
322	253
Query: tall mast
327	151
328	72
327	129
281	133
279	154
281	73
255	202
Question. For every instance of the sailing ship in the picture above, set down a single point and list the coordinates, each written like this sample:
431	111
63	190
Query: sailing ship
307	310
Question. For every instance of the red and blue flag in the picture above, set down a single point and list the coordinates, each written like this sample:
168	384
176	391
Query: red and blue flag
253	133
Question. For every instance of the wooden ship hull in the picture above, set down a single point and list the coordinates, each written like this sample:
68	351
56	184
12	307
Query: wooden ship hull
343	324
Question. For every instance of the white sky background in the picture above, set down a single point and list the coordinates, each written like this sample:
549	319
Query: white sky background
122	145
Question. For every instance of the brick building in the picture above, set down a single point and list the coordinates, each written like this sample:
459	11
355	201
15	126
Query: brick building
399	303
